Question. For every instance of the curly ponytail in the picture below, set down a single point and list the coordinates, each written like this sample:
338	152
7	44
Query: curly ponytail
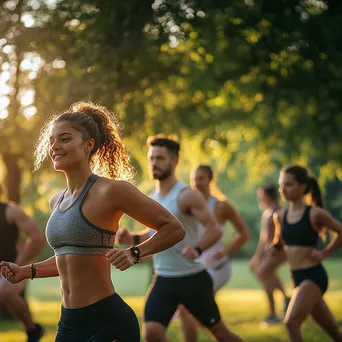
109	157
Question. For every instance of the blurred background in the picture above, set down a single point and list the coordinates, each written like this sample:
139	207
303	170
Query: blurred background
247	86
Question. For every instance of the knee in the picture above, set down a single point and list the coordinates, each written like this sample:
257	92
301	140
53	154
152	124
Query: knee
154	333
259	272
291	323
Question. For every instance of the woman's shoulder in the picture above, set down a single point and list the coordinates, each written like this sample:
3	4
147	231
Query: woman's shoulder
279	214
112	187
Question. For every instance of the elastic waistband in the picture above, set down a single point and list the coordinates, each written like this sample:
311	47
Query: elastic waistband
300	270
187	276
90	313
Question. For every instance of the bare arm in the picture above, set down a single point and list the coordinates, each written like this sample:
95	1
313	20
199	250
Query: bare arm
28	226
277	242
15	274
194	203
169	229
262	242
47	268
322	218
242	235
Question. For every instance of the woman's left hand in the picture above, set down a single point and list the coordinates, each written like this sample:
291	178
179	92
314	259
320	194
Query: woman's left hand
317	255
120	258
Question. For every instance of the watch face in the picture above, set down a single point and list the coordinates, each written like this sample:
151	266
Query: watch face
136	252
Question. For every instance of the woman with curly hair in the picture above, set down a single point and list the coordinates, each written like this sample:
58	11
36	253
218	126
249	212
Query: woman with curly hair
84	220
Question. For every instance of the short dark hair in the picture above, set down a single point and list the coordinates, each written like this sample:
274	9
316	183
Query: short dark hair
169	143
271	191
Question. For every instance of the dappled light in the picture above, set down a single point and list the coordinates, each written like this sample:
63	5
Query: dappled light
247	87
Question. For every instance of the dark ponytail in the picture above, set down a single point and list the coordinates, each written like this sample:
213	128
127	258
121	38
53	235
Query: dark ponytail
315	192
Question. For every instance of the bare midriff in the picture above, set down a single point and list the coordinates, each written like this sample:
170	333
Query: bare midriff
299	257
85	279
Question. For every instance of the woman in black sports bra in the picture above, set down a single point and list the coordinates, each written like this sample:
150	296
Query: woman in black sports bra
83	222
298	229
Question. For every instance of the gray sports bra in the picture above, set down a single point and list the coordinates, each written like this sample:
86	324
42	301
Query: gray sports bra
69	232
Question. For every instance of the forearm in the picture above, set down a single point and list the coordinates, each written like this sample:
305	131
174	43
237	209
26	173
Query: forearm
29	251
210	235
164	238
335	244
236	244
44	269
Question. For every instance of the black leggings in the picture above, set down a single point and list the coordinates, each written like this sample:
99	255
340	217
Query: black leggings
107	320
316	274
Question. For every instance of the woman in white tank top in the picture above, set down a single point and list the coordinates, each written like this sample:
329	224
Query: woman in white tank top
217	257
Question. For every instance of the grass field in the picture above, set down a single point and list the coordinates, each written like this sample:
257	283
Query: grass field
241	303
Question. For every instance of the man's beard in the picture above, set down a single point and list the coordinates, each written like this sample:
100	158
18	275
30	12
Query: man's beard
164	175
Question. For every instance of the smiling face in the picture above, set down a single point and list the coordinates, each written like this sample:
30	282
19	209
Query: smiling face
68	149
290	189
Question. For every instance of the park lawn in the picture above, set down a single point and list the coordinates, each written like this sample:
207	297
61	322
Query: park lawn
241	303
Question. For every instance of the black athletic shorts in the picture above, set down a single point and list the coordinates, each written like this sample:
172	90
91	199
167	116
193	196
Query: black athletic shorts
195	292
316	274
107	320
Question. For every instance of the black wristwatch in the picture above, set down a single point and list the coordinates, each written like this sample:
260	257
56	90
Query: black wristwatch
136	254
198	250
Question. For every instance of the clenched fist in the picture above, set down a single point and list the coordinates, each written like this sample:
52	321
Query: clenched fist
317	255
190	253
12	272
121	258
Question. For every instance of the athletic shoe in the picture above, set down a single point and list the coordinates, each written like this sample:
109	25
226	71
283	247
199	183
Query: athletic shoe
35	334
270	320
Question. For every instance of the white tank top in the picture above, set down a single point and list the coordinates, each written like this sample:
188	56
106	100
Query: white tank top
171	262
207	256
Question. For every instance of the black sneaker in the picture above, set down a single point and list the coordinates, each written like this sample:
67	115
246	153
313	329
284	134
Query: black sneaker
34	335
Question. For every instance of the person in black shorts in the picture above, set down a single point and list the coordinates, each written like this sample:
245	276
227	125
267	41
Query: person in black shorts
180	277
298	227
83	224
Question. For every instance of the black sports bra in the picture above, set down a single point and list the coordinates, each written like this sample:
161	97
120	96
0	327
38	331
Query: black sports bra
301	233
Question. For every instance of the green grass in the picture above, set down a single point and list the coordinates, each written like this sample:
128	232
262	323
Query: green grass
241	302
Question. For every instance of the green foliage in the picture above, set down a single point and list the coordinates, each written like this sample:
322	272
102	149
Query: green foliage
248	86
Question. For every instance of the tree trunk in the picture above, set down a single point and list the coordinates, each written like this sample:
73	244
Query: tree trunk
13	177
